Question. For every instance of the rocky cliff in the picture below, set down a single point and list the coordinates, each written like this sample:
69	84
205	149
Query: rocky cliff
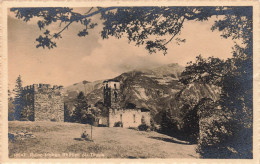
155	89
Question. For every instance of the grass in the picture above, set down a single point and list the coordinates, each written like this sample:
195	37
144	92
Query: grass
61	139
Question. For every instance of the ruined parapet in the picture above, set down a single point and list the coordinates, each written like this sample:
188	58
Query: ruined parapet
111	84
43	87
45	101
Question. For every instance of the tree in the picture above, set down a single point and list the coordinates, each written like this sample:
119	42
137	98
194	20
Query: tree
140	24
27	113
205	71
81	108
18	101
234	77
11	109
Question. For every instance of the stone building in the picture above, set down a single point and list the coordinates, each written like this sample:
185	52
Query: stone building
132	117
42	102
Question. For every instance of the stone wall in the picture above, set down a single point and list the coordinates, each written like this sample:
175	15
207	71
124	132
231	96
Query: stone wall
129	117
103	121
47	102
112	96
112	100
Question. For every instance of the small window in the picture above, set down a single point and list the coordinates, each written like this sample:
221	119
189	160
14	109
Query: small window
115	86
115	93
121	118
134	118
142	120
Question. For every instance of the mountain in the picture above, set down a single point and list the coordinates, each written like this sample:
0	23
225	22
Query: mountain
173	70
142	87
186	99
85	86
156	89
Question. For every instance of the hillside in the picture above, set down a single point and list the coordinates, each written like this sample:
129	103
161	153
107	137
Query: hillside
73	90
185	101
142	87
62	140
156	89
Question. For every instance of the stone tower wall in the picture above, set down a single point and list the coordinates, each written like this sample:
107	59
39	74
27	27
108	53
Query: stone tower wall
112	94
47	102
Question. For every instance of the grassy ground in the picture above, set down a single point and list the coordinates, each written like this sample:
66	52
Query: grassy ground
60	140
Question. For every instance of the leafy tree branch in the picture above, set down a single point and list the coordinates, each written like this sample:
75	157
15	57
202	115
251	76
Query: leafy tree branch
138	24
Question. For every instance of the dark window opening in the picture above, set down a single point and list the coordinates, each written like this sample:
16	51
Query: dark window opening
115	93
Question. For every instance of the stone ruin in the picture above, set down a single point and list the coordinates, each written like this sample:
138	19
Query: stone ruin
130	117
42	102
21	135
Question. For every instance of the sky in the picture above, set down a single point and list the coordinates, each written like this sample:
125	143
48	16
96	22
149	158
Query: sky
91	58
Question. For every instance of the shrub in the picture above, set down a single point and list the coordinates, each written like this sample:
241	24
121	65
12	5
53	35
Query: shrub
154	126
118	124
143	127
216	131
102	125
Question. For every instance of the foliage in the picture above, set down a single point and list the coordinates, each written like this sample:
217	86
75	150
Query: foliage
223	121
68	113
208	71
11	108
151	26
168	124
27	113
83	113
118	124
138	24
102	109
191	125
143	127
18	102
81	108
234	77
215	130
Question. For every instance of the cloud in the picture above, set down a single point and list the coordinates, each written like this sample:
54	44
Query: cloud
92	58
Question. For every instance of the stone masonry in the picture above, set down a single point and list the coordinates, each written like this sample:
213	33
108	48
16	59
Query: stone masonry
128	117
42	103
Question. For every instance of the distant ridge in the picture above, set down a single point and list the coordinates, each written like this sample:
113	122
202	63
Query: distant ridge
156	89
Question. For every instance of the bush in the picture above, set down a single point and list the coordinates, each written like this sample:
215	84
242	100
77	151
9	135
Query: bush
154	126
143	127
220	134
118	124
102	125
